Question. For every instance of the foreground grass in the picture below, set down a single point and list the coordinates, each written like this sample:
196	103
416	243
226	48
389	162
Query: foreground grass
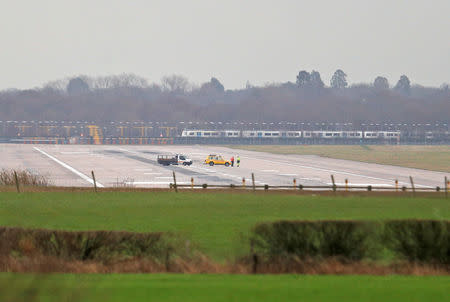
16	287
217	223
436	158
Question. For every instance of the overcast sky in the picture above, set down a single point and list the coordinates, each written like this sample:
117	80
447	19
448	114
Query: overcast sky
234	40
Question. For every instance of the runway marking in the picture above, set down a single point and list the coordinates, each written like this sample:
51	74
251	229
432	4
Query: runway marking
166	177
365	185
153	183
75	152
307	178
338	172
152	173
274	171
71	169
287	174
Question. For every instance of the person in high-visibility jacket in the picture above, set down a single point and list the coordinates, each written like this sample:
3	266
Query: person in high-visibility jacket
238	161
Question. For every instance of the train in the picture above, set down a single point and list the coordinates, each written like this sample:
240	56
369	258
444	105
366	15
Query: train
270	134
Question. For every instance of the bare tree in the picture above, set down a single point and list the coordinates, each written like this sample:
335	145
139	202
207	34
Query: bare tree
175	83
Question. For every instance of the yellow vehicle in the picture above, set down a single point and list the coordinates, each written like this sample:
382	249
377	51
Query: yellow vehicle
213	159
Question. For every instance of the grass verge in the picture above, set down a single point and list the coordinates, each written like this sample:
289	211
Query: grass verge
216	223
164	287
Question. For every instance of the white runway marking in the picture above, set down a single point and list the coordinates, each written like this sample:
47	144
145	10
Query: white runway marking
365	185
86	178
75	152
287	174
273	171
338	172
153	183
152	173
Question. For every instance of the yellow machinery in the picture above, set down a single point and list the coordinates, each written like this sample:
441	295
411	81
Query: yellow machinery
96	133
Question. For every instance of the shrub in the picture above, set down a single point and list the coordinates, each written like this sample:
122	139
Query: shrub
353	240
89	245
426	241
25	177
419	240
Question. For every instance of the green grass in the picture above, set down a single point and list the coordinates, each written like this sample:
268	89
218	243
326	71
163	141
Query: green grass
435	158
227	288
217	223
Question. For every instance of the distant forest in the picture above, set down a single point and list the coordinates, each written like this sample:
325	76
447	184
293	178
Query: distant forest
128	97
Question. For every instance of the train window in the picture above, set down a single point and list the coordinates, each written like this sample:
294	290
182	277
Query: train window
328	134
191	133
215	134
199	134
267	134
229	134
236	133
252	134
206	134
275	134
335	134
296	134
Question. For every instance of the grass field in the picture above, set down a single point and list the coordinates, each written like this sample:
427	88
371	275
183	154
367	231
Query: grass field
217	223
227	288
436	158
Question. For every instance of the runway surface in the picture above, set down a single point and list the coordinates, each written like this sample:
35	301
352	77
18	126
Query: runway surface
136	166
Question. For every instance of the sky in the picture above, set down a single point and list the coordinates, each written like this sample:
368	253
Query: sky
236	41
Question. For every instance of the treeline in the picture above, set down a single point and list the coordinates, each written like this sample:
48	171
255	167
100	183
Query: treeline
129	97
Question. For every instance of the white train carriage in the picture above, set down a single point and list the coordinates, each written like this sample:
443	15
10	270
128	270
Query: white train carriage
232	133
291	134
370	134
352	134
188	133
261	133
389	134
382	134
201	133
327	134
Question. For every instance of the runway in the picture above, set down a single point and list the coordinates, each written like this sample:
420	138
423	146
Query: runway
136	166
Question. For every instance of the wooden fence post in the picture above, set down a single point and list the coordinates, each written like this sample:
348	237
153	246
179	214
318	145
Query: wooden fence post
412	185
295	183
16	179
175	182
95	182
396	185
446	186
334	184
243	182
346	185
192	182
253	182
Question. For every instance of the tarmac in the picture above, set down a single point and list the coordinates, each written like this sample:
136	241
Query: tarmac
136	166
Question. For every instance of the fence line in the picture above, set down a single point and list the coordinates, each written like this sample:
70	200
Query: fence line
333	187
301	187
